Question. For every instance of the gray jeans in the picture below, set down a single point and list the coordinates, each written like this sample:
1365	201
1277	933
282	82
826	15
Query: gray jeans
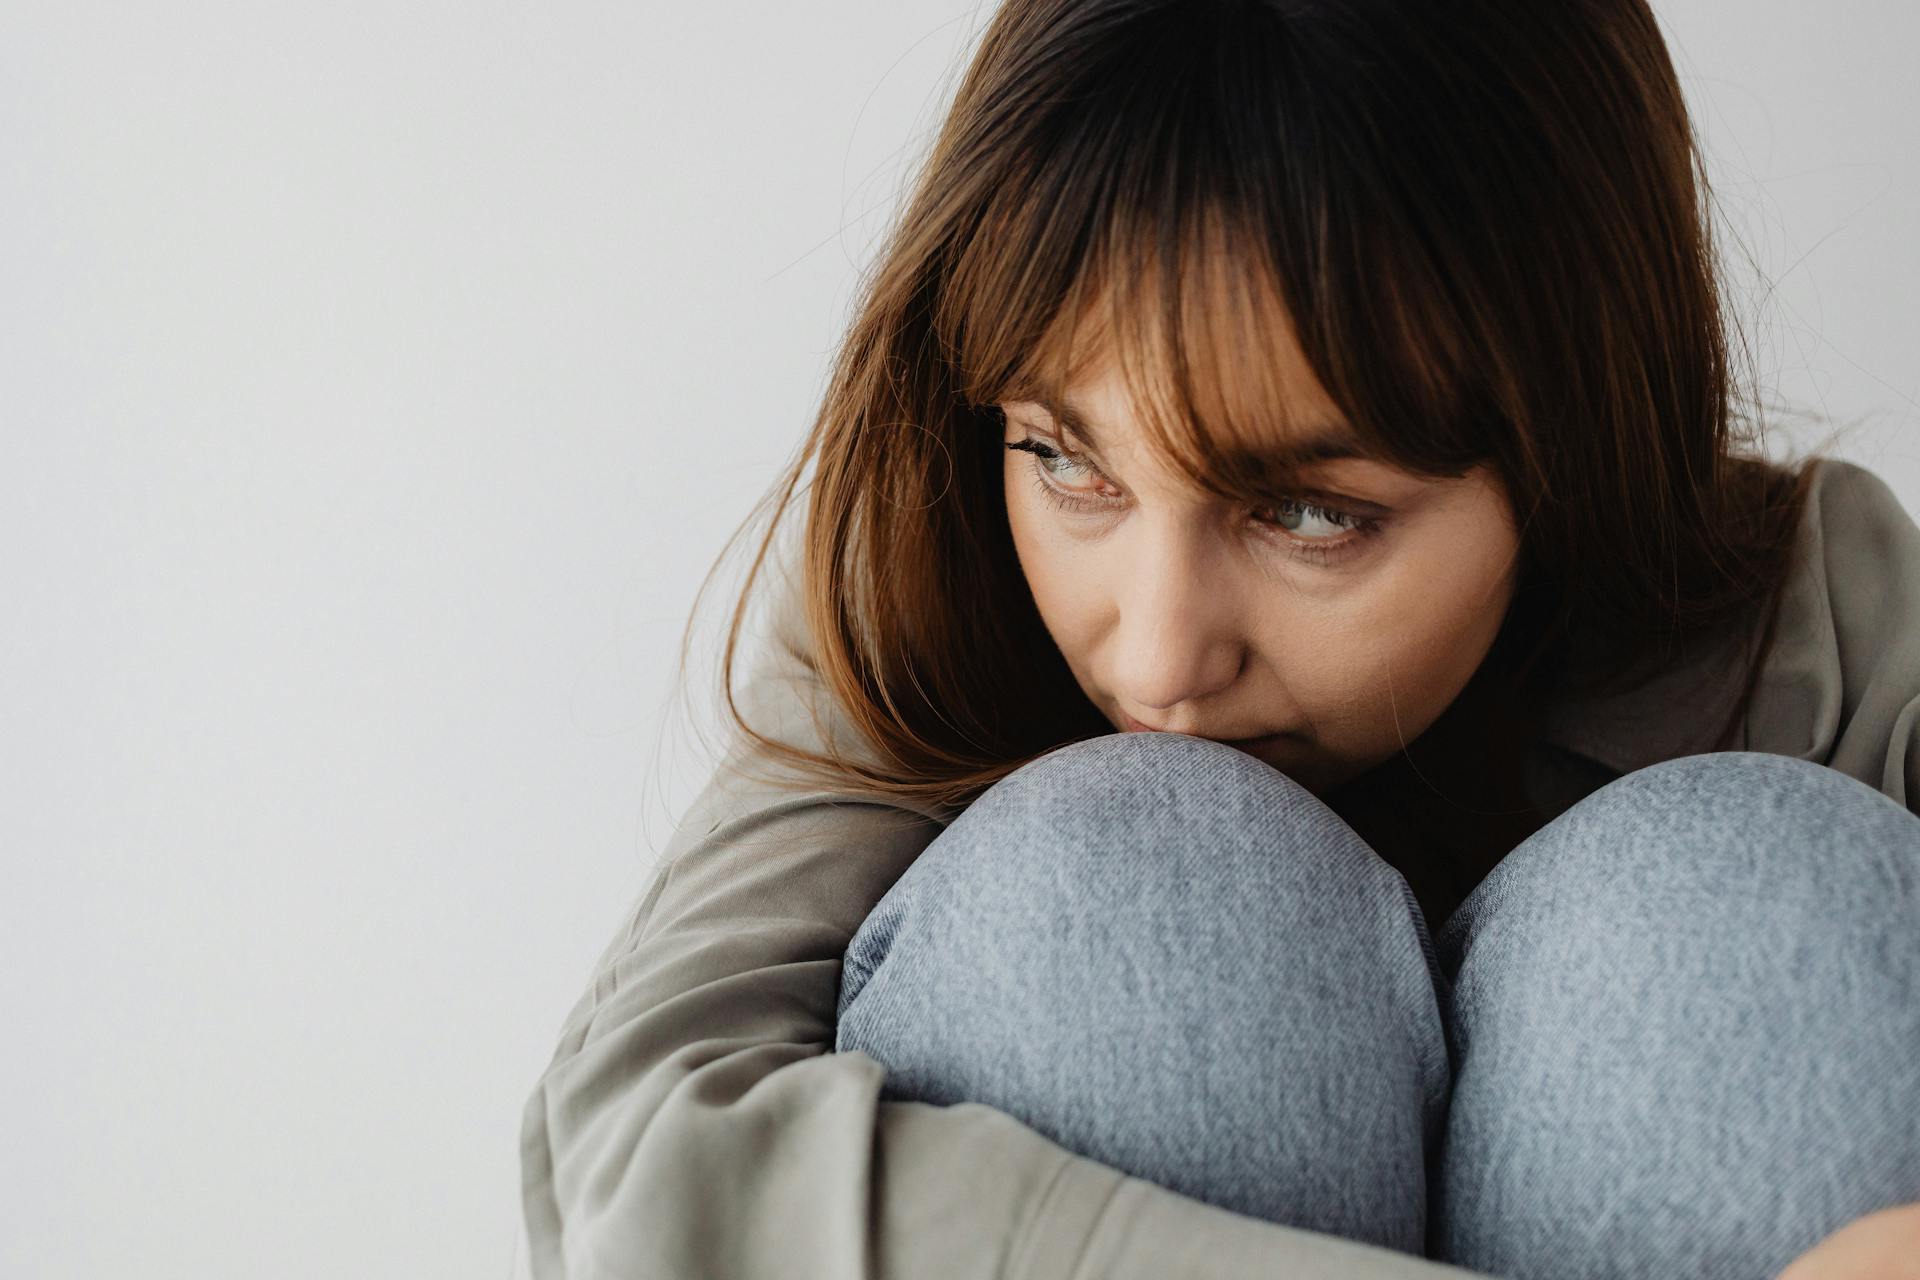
1675	1032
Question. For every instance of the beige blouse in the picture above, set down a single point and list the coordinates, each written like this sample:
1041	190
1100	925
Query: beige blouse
695	1122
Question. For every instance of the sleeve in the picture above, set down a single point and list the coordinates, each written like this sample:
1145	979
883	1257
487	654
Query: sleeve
694	1120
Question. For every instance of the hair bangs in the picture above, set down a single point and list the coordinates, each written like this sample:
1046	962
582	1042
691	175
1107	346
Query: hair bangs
1174	217
1192	310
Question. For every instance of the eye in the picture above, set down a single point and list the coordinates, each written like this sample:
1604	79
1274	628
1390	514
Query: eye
1289	514
1280	521
1056	462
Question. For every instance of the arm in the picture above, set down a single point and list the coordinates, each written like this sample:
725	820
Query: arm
695	1122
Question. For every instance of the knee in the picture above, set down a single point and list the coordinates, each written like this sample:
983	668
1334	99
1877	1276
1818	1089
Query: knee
1147	852
1709	944
1150	946
1732	826
1748	848
1124	814
1767	802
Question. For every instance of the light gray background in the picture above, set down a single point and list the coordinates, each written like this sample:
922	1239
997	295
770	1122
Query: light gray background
377	380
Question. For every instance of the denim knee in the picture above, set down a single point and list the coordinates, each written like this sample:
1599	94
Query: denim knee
1743	835
1689	1003
1168	955
1163	819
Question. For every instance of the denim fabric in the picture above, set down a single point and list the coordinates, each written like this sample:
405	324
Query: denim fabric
1674	1032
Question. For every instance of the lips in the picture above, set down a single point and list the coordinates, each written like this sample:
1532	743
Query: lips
1134	726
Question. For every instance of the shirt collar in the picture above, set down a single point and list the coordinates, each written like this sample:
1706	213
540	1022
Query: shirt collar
1679	711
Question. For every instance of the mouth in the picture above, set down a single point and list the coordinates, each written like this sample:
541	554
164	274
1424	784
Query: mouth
1130	725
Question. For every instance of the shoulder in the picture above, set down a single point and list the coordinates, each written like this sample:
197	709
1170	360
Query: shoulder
1855	579
1850	508
1841	682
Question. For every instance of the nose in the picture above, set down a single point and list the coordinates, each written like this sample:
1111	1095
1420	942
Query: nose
1178	635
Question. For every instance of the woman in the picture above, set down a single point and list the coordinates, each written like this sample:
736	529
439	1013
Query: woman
1301	735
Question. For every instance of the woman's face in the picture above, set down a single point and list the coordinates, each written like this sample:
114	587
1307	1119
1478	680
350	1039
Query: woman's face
1180	611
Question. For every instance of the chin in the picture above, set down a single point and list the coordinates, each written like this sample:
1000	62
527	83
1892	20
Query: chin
1291	758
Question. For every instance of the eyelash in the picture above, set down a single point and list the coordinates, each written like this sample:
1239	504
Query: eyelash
1315	551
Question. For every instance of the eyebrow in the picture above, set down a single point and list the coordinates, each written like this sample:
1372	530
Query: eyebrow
1327	442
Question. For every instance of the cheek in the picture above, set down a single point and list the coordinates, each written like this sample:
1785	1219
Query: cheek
1027	534
1407	643
1437	620
1045	559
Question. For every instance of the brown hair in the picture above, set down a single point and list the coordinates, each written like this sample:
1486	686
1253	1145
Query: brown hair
1485	224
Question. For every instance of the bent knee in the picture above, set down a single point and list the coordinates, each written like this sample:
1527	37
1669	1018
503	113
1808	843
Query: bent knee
1740	822
1743	851
1150	854
1122	809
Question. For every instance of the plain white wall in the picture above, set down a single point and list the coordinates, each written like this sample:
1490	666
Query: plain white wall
377	380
